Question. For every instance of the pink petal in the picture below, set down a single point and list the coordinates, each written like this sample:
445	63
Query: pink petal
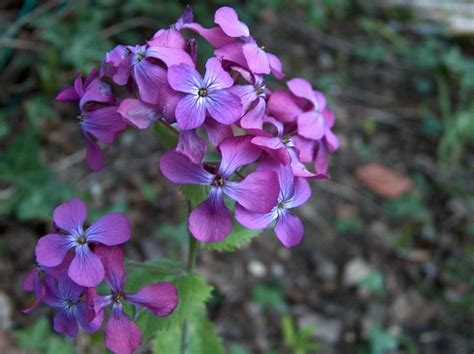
257	192
217	132
184	78
253	220
160	298
70	216
168	101
282	106
232	52
332	141
301	193
210	221
178	168
257	59
111	230
170	56
95	157
289	230
192	145
51	249
236	152
253	119
223	106
301	88
311	125
67	94
274	147
97	91
190	112
215	35
216	77
321	161
86	269
137	113
305	148
122	335
275	66
112	258
171	38
228	20
246	93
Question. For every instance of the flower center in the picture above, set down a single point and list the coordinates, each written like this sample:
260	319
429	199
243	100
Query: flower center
202	92
117	297
281	205
286	139
81	240
218	181
139	56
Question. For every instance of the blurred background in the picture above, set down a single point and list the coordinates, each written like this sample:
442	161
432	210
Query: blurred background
387	262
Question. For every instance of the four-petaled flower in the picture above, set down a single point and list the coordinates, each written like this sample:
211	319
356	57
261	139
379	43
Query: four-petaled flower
85	269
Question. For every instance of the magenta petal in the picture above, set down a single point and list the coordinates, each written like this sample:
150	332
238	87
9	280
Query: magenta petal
301	88
214	35
86	269
104	124
321	161
253	119
210	221
246	93
170	56
178	168
216	78
150	78
160	299
289	229
171	38
252	220
228	20
257	192
169	99
28	283
122	335
65	323
68	94
112	258
305	148
51	249
192	145
223	106
137	113
257	59
111	230
311	125
97	91
86	317
275	65
282	106
70	216
236	152
301	193
274	147
190	112
332	140
217	132
94	156
232	52
184	78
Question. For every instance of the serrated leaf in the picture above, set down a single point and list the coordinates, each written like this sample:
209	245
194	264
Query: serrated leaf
167	138
238	238
194	193
203	338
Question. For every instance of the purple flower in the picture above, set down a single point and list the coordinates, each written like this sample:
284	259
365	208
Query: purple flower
294	191
124	62
211	221
122	335
74	305
204	95
85	269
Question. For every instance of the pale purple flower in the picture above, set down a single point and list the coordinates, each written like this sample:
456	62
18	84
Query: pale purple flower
294	191
204	95
85	269
211	221
122	335
124	62
74	305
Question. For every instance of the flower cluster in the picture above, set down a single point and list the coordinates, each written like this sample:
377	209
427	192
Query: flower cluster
260	141
74	260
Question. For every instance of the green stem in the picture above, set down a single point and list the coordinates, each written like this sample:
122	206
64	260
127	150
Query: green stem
192	255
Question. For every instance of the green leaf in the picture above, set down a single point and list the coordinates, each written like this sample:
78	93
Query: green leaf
40	338
167	138
239	237
195	194
203	338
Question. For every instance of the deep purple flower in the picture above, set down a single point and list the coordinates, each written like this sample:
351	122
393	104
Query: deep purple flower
294	191
122	335
74	305
204	95
211	221
86	268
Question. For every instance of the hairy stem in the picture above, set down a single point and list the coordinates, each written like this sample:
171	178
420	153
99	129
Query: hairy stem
192	255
